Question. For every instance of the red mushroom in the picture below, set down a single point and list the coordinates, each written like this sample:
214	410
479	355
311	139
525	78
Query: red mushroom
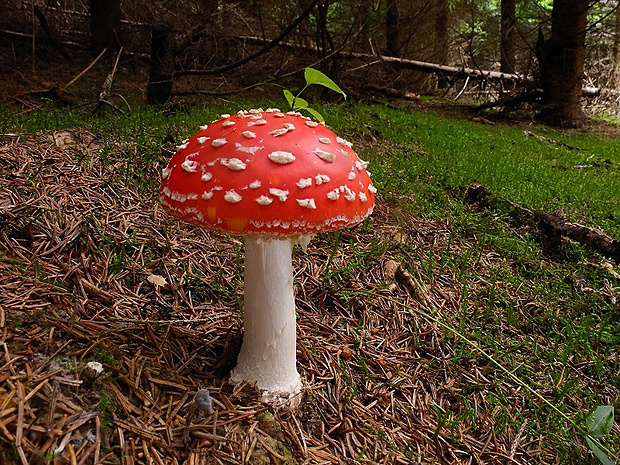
277	179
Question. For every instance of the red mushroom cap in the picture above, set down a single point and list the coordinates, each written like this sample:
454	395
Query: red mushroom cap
267	172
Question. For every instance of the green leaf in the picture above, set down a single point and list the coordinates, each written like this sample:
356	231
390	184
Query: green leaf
600	421
300	104
289	97
317	116
314	76
602	456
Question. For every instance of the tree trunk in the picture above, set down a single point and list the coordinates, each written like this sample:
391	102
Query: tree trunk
507	42
442	12
561	61
325	41
392	26
161	70
105	24
323	36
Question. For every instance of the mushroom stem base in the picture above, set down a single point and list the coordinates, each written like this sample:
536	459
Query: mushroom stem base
268	353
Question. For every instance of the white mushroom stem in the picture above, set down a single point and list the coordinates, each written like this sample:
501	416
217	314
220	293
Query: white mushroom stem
268	354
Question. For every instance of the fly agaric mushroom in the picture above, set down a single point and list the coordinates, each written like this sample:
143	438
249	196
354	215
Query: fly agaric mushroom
277	179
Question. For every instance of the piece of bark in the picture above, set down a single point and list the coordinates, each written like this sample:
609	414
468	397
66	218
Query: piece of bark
552	227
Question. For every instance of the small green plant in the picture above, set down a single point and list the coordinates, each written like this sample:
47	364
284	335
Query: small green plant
101	353
52	455
598	424
106	407
313	77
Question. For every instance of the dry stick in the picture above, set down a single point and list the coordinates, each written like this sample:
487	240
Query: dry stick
463	89
48	32
64	88
161	322
251	86
97	440
510	374
93	291
301	434
323	59
20	423
455	72
106	88
553	225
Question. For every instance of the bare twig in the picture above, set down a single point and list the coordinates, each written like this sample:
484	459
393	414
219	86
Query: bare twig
84	71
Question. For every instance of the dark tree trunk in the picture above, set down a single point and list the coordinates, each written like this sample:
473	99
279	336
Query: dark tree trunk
507	43
323	36
324	40
159	89
105	24
442	11
561	60
392	25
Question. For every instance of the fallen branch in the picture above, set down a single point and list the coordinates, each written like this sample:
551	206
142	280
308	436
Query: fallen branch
555	227
93	291
66	86
443	70
266	47
552	227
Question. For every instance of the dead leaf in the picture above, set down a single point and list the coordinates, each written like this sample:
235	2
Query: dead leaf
384	399
346	353
157	280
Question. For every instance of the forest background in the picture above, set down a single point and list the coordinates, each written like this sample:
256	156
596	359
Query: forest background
489	50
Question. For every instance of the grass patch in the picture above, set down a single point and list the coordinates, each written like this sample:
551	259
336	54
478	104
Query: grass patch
577	174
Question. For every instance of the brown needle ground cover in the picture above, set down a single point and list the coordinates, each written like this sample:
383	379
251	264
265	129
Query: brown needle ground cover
93	271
